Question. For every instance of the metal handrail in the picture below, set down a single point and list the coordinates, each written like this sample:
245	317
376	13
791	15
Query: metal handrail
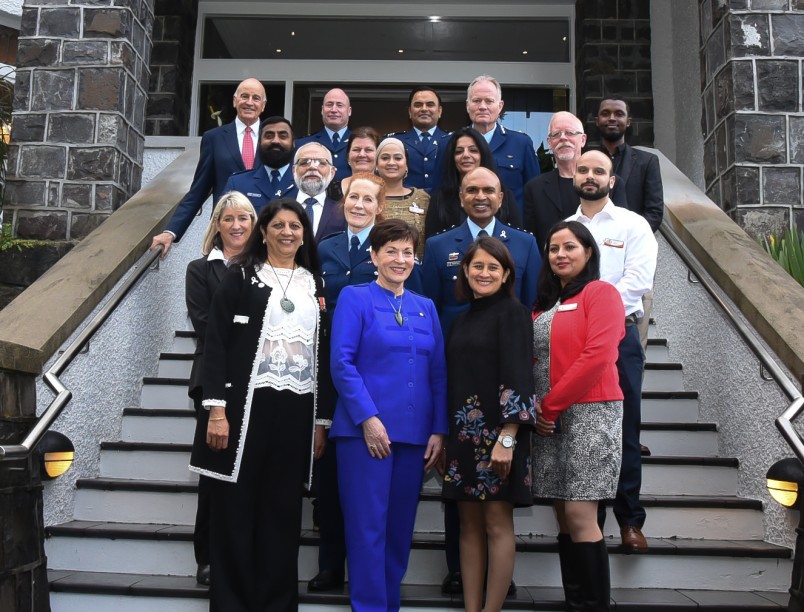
10	452
785	422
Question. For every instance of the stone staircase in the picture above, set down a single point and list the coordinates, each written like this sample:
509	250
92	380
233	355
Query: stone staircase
129	547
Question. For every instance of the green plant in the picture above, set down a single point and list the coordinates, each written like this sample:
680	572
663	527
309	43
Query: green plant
788	251
7	240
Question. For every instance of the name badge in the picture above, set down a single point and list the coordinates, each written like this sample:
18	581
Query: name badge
416	210
567	307
240	319
617	244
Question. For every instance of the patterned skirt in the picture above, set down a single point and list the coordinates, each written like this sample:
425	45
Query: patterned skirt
582	462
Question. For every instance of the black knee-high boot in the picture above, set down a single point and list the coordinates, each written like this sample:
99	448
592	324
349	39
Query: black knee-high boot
569	576
592	567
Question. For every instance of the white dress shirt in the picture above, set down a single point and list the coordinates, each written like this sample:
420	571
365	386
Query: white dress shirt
628	252
240	127
318	207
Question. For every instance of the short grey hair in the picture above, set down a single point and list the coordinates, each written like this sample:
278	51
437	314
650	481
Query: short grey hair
310	145
484	77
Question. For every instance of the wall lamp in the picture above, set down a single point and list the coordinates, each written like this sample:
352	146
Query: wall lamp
785	480
56	453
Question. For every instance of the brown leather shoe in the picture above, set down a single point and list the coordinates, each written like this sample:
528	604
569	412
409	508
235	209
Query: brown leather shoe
644	450
633	540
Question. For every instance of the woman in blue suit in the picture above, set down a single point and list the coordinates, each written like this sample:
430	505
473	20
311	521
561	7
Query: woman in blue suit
389	369
345	260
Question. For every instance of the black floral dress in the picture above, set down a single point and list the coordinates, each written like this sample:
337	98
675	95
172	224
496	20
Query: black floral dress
490	383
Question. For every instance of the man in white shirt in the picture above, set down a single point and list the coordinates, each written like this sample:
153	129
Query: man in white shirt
312	172
628	252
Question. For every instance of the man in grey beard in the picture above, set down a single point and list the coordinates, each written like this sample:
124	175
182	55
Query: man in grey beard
312	172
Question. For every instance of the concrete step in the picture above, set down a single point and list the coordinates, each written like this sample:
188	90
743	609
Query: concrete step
668	563
175	365
96	592
159	392
669	406
663	377
183	342
680	439
657	351
158	425
687	516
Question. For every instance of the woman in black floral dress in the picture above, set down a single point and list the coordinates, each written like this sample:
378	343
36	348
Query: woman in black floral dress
491	399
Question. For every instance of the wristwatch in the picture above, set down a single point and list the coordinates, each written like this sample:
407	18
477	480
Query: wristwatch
507	441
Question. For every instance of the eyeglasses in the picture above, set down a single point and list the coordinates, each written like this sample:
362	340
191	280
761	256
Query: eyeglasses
306	162
559	133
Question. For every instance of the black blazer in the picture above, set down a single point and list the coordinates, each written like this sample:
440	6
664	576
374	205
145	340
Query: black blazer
641	185
201	281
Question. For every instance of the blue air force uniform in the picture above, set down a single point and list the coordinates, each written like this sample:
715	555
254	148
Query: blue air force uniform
340	153
516	161
424	157
442	259
258	187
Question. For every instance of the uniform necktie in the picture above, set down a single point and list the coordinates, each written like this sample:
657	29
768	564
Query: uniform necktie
308	208
354	252
425	137
275	181
248	149
482	233
335	138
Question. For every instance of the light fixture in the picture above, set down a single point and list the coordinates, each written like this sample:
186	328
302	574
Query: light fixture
435	19
56	454
524	53
785	479
401	50
293	33
279	50
564	39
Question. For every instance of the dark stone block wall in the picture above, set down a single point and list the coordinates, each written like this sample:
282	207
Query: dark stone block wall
613	57
753	126
79	112
170	85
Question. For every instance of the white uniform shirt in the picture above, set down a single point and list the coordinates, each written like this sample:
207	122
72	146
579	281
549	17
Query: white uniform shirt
628	252
318	207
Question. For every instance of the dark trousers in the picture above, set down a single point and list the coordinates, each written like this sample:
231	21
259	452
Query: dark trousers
332	545
256	521
631	367
201	529
452	536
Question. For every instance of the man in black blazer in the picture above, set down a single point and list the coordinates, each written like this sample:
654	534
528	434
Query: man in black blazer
637	170
221	156
551	197
313	172
274	178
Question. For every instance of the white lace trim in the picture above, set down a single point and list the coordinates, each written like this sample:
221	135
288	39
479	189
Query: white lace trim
213	402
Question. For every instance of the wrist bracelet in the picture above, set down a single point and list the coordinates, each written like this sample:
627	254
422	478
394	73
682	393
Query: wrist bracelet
223	418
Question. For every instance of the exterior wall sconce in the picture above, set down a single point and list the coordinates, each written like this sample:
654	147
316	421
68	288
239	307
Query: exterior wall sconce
785	480
56	453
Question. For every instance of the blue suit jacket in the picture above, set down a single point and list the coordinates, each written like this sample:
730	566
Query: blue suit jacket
336	268
219	158
516	161
340	155
256	186
381	369
424	160
442	258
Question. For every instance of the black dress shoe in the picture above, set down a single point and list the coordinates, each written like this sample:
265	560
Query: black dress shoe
511	589
452	584
202	575
326	580
644	450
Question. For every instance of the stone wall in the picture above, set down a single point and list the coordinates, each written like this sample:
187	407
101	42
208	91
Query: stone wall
753	126
613	56
79	112
170	86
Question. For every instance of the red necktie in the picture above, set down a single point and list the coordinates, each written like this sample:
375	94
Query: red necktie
248	149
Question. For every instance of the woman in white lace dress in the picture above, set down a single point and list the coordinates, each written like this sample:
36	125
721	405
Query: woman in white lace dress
265	371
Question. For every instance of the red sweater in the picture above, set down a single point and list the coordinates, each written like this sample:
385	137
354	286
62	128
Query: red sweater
584	341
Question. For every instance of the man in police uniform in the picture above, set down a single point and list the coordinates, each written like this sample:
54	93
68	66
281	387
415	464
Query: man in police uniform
481	196
425	140
335	111
274	179
513	151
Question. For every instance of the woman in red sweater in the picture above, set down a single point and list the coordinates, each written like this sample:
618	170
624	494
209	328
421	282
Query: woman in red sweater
577	325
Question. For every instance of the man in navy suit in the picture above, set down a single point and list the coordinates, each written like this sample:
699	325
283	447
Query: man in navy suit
313	172
274	178
481	198
221	156
335	111
425	141
513	151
